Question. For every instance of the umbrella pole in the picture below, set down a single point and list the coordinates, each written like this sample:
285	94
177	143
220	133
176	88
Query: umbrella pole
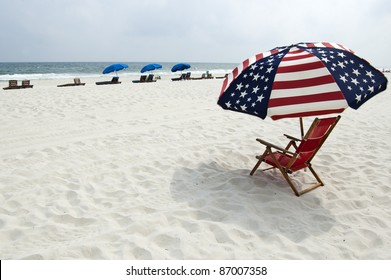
301	128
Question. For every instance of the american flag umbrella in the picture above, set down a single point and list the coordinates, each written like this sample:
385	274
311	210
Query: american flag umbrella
306	79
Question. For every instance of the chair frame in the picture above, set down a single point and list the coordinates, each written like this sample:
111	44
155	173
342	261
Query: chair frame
287	169
150	78
13	84
76	82
114	81
181	77
143	79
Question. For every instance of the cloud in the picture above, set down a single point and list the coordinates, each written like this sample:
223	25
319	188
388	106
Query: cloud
171	30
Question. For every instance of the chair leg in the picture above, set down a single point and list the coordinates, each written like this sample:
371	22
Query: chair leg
315	175
318	184
285	174
282	170
259	162
297	193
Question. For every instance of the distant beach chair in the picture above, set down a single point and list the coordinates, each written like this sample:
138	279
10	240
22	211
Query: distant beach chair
182	77
187	77
13	84
150	78
145	79
142	79
305	150
114	80
26	84
206	75
222	77
76	82
203	76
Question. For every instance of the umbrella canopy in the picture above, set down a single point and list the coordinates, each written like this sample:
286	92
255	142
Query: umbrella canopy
150	67
180	67
114	68
306	79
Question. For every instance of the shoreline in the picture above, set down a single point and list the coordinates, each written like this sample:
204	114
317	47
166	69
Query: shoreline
124	79
38	71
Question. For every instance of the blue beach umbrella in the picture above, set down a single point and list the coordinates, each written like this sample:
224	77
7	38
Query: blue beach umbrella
180	67
150	67
114	68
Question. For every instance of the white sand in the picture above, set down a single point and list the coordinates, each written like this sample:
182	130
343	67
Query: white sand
160	171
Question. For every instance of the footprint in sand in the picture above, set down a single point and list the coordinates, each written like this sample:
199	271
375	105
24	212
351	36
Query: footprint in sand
72	198
34	257
141	254
68	219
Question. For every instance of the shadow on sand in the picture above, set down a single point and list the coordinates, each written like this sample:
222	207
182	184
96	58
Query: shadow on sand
262	204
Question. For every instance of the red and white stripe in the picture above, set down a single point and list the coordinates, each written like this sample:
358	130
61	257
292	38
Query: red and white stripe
304	87
241	67
325	45
232	76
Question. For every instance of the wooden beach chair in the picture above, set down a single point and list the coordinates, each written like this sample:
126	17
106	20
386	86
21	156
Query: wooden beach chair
182	77
222	77
142	79
26	84
304	151
76	82
203	76
12	84
114	80
206	75
150	78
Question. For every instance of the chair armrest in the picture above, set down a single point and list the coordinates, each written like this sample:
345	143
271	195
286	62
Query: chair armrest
292	138
268	144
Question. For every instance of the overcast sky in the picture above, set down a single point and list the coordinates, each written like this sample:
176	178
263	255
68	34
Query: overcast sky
187	31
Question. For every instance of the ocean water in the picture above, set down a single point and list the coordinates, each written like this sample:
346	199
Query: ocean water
64	70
